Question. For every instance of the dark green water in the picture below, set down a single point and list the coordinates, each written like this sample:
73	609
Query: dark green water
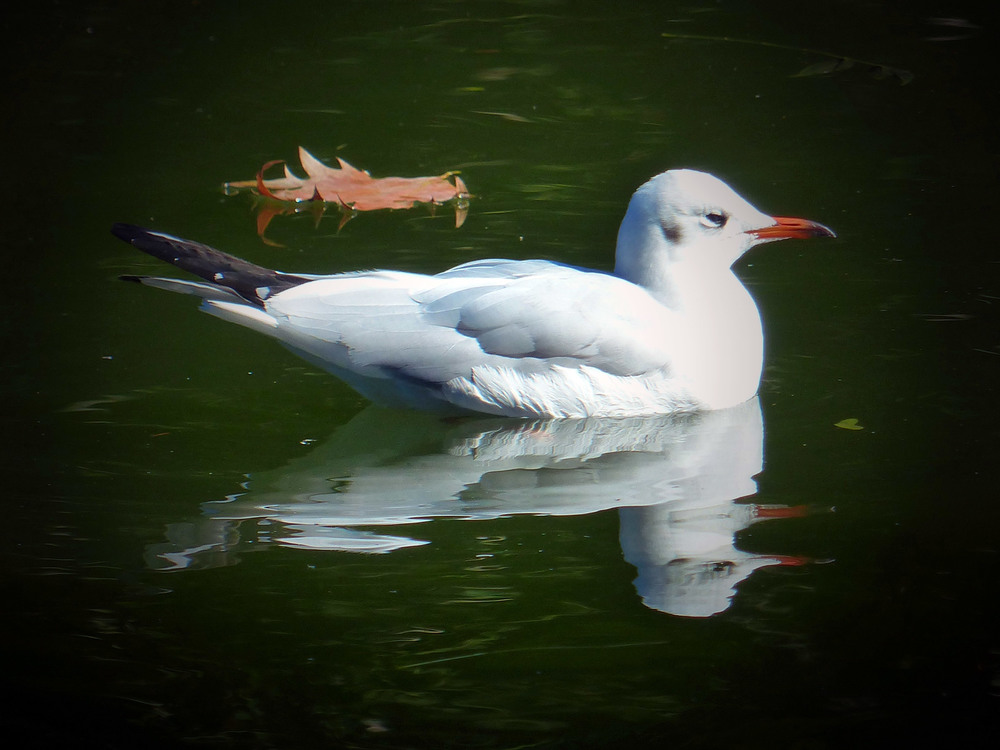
207	543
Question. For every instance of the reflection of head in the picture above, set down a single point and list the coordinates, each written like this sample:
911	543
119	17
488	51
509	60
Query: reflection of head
697	588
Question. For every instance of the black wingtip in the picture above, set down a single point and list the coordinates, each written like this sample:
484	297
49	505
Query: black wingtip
214	266
127	277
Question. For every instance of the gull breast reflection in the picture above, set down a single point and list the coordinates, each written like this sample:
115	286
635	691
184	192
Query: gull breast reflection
675	481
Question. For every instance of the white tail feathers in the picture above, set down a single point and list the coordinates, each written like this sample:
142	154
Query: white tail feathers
242	314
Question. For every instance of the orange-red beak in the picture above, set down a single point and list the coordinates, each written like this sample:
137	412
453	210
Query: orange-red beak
786	228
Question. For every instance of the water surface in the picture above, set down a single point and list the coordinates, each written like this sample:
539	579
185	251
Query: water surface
210	543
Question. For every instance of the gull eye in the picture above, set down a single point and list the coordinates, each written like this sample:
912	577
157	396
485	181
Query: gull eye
714	220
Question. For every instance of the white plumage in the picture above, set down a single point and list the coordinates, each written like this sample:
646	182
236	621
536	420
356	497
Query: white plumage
672	329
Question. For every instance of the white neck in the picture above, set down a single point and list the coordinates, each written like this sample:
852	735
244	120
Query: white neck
720	352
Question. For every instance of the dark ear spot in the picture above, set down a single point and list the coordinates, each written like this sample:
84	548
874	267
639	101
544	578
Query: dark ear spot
672	231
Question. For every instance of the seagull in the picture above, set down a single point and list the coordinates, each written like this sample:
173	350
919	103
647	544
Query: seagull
671	329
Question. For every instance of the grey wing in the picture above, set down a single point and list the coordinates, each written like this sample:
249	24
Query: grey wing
557	314
522	315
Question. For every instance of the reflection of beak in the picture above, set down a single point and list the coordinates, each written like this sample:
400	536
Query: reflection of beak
785	228
764	512
787	560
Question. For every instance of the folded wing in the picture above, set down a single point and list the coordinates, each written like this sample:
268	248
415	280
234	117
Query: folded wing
524	316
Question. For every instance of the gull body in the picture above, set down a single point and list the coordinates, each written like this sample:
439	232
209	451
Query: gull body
671	329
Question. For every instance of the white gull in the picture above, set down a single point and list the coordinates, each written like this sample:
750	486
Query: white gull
672	329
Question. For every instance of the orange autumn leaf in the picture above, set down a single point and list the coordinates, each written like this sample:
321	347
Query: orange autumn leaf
352	187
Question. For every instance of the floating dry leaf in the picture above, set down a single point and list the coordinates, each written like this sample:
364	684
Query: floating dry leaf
351	188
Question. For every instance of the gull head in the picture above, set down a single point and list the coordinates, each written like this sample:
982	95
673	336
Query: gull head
692	218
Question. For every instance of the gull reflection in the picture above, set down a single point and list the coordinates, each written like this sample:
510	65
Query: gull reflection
675	481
